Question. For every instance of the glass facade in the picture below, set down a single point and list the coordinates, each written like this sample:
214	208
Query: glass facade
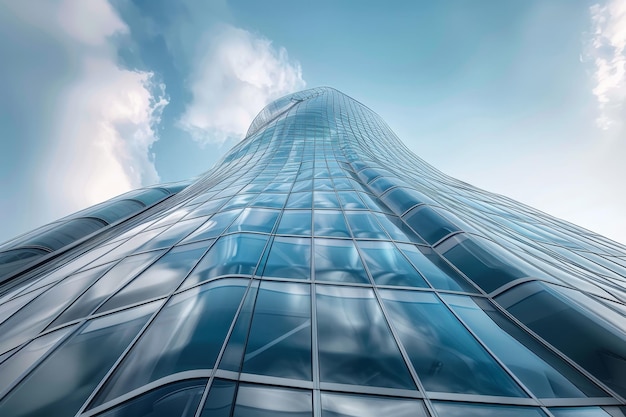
319	269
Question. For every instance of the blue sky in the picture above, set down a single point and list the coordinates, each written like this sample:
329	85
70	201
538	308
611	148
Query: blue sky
527	98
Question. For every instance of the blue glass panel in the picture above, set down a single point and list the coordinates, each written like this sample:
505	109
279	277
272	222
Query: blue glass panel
486	263
232	358
338	260
365	225
485	410
355	345
325	200
105	286
397	229
429	224
279	343
219	402
289	257
73	371
262	401
388	266
233	254
295	222
445	355
255	220
179	399
438	273
272	200
300	200
160	278
12	369
36	315
505	341
187	334
214	226
174	234
580	412
345	405
350	200
596	345
330	223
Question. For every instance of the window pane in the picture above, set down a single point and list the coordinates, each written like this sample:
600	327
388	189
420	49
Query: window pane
580	412
325	200
214	226
260	401
105	286
344	405
61	386
36	315
179	399
505	341
365	225
236	254
388	266
338	260
485	262
330	223
20	362
435	269
355	344
187	334
160	278
295	222
280	337
255	220
596	345
300	200
485	410
445	355
289	257
219	402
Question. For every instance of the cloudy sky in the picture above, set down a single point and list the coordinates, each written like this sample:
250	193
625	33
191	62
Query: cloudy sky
527	98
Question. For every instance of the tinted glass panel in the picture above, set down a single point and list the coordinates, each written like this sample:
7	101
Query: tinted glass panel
160	278
95	347
289	257
219	402
388	266
259	401
596	345
255	220
179	399
355	344
105	286
538	369
338	260
36	315
438	273
232	254
365	225
295	222
187	334
280	337
13	369
330	223
445	355
343	405
214	226
485	410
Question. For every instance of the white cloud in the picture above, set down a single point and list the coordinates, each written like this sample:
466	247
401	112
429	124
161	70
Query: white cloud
608	51
236	74
98	145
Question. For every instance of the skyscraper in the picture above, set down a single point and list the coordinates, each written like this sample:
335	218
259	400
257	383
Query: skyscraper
319	269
